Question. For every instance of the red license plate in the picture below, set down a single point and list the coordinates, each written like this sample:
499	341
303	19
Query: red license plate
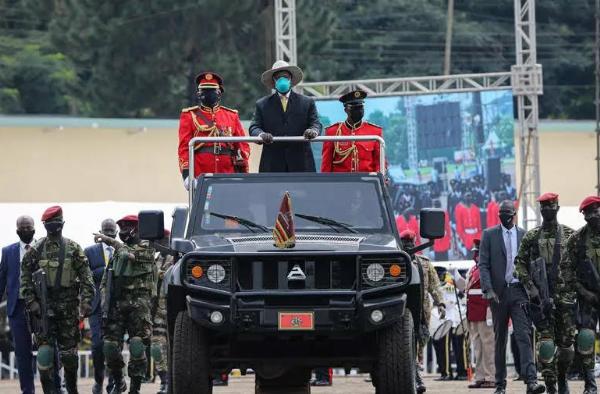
296	320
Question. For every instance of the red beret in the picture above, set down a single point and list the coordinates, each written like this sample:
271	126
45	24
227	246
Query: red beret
209	80
408	234
588	201
548	197
128	218
52	213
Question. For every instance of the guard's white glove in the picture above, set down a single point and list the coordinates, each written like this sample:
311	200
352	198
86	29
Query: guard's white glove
186	183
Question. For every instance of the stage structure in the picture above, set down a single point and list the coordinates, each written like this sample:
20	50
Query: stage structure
525	80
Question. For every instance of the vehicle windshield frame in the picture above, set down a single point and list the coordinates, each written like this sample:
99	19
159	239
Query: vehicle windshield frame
195	226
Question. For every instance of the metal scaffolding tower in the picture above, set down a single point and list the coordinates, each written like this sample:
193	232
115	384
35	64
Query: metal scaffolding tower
527	86
285	31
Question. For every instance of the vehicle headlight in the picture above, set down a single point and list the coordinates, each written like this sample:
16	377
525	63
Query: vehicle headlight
216	273
375	272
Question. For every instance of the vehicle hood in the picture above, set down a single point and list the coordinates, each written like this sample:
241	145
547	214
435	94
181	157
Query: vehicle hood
305	242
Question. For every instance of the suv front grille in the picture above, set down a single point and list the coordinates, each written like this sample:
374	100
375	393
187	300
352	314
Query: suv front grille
296	274
387	278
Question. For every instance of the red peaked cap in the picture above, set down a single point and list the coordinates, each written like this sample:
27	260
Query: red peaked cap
52	213
209	80
128	218
408	234
588	201
548	197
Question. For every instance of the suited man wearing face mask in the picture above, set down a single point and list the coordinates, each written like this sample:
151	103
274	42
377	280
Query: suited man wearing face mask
352	156
508	297
285	113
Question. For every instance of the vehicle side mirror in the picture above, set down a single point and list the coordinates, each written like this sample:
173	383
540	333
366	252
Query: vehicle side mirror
179	221
432	223
151	225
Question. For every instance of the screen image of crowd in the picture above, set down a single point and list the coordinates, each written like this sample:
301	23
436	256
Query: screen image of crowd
469	204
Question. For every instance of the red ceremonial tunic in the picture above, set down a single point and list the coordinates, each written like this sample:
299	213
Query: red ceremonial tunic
412	224
211	157
351	156
493	210
468	224
476	304
443	244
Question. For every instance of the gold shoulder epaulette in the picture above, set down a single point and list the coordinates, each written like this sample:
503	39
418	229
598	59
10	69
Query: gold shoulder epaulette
230	109
376	125
188	109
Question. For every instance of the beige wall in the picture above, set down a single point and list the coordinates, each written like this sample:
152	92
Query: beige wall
86	164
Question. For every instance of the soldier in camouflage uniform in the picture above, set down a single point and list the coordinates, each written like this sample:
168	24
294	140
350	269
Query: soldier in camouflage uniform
159	317
548	242
129	311
578	285
431	286
70	294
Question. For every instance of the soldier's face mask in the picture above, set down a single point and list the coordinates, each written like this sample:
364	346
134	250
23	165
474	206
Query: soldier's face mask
549	213
592	217
355	112
407	244
209	97
54	227
128	234
283	84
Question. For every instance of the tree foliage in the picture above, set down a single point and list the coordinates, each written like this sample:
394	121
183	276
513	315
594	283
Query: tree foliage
138	58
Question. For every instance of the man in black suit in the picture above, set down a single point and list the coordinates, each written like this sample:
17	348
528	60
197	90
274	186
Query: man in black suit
497	251
285	113
98	255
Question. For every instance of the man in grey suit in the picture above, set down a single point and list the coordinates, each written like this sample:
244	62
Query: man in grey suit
497	251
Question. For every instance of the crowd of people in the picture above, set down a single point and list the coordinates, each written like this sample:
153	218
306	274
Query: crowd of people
543	282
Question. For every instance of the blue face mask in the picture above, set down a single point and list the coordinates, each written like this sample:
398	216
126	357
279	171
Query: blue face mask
283	85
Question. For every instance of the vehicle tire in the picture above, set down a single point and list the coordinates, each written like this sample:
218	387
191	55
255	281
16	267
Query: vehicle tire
191	370
395	368
295	381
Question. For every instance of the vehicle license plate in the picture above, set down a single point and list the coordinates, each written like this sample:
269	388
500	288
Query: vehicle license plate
296	320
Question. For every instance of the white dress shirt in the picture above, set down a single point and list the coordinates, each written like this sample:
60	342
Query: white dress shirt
108	252
22	249
510	244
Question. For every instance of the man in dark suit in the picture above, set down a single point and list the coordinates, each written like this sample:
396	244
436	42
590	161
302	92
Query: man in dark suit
497	251
98	255
285	113
10	271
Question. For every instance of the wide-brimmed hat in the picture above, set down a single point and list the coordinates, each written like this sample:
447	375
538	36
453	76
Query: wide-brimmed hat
280	65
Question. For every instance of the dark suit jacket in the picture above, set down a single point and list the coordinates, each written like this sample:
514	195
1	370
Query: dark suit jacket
10	276
95	255
492	258
269	117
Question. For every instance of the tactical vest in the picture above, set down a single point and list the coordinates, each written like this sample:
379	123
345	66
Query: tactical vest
135	274
545	248
56	277
587	248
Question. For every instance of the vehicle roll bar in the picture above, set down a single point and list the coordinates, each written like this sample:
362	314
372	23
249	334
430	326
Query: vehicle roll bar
258	140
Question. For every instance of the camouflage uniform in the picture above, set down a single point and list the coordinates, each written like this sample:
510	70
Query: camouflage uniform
63	305
133	289
159	318
582	245
431	285
540	242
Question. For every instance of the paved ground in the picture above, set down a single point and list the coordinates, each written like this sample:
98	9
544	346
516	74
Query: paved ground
342	385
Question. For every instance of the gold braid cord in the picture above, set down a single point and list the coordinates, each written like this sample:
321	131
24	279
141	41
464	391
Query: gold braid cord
212	132
343	154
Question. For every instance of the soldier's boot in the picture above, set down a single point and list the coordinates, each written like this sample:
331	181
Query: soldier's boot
135	385
48	385
563	384
419	382
71	381
119	385
590	382
564	359
163	383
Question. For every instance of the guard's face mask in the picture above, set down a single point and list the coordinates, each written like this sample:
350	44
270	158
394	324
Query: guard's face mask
26	235
209	97
128	235
283	85
54	227
548	214
592	217
506	218
356	113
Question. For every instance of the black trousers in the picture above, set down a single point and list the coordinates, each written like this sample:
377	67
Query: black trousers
514	305
442	354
